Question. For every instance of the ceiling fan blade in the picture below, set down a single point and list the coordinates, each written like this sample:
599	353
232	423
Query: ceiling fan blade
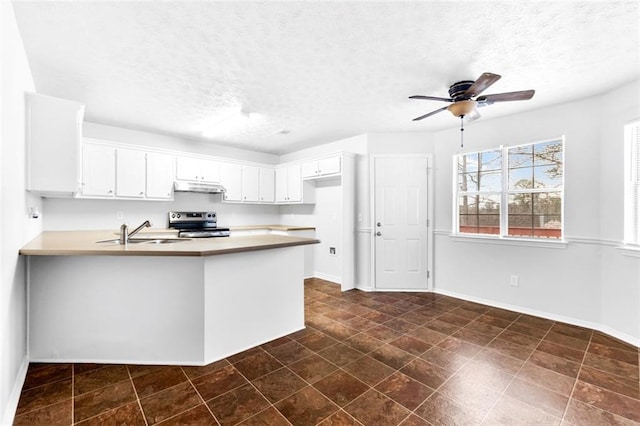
481	84
522	95
431	98
430	113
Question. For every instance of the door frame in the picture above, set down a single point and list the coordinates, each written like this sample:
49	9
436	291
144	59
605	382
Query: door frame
430	210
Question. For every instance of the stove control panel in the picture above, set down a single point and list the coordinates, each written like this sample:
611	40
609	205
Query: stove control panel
204	219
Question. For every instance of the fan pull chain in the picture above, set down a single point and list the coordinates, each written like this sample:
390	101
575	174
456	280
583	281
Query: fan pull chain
461	131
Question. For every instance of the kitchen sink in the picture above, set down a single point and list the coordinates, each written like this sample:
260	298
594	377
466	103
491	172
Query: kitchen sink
147	240
165	240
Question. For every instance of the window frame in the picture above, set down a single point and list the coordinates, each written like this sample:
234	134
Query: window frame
504	194
631	237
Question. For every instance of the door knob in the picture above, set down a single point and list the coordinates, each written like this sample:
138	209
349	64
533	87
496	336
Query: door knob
378	233
378	224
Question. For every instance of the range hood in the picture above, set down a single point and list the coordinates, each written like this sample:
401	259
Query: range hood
195	186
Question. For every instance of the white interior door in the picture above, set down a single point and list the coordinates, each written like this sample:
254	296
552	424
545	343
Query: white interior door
401	213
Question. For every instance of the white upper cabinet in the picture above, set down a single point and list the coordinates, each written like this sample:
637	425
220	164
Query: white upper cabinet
231	180
53	144
98	170
250	184
323	167
198	169
267	185
159	176
112	171
243	183
291	189
131	176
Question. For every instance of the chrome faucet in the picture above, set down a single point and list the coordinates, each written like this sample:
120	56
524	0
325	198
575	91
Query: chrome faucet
125	234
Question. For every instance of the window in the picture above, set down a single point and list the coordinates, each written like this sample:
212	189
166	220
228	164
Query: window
511	191
632	184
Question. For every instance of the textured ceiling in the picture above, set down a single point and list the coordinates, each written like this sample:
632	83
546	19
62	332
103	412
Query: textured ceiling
321	70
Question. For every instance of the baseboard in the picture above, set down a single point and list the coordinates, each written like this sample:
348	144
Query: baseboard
328	277
363	287
14	397
554	317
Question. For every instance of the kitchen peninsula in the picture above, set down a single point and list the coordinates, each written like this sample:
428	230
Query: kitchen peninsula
160	301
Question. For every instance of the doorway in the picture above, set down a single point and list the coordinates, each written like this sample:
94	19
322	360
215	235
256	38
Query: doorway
402	240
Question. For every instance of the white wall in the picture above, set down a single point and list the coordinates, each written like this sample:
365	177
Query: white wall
85	214
15	227
586	282
620	273
133	137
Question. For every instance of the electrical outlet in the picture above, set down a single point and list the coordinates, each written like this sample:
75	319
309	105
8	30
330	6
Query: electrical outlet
514	281
332	250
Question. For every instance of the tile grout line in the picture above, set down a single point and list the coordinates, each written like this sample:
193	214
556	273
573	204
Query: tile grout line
73	392
575	384
135	391
413	412
503	393
199	395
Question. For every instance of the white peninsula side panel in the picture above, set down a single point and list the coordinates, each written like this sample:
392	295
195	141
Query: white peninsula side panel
252	298
162	309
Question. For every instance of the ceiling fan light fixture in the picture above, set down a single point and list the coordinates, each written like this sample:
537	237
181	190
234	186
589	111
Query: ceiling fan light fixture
462	108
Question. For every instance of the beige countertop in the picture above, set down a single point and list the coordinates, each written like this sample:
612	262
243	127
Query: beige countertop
85	243
272	228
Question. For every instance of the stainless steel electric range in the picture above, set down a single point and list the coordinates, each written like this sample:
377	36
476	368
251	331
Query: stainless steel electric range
197	225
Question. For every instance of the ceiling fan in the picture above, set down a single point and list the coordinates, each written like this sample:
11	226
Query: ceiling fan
462	93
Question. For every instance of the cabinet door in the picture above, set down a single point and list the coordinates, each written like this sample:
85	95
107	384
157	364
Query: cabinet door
210	171
250	183
187	168
53	144
267	185
282	185
159	175
329	166
98	170
309	169
294	184
130	173
231	180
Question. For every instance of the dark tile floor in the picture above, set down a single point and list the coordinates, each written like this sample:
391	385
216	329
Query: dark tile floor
366	358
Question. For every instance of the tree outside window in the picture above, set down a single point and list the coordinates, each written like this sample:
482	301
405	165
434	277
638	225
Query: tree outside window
513	191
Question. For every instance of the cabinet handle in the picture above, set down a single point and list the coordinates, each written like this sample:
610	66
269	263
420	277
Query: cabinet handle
141	193
110	191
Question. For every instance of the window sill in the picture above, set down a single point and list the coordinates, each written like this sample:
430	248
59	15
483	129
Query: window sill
528	242
630	250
